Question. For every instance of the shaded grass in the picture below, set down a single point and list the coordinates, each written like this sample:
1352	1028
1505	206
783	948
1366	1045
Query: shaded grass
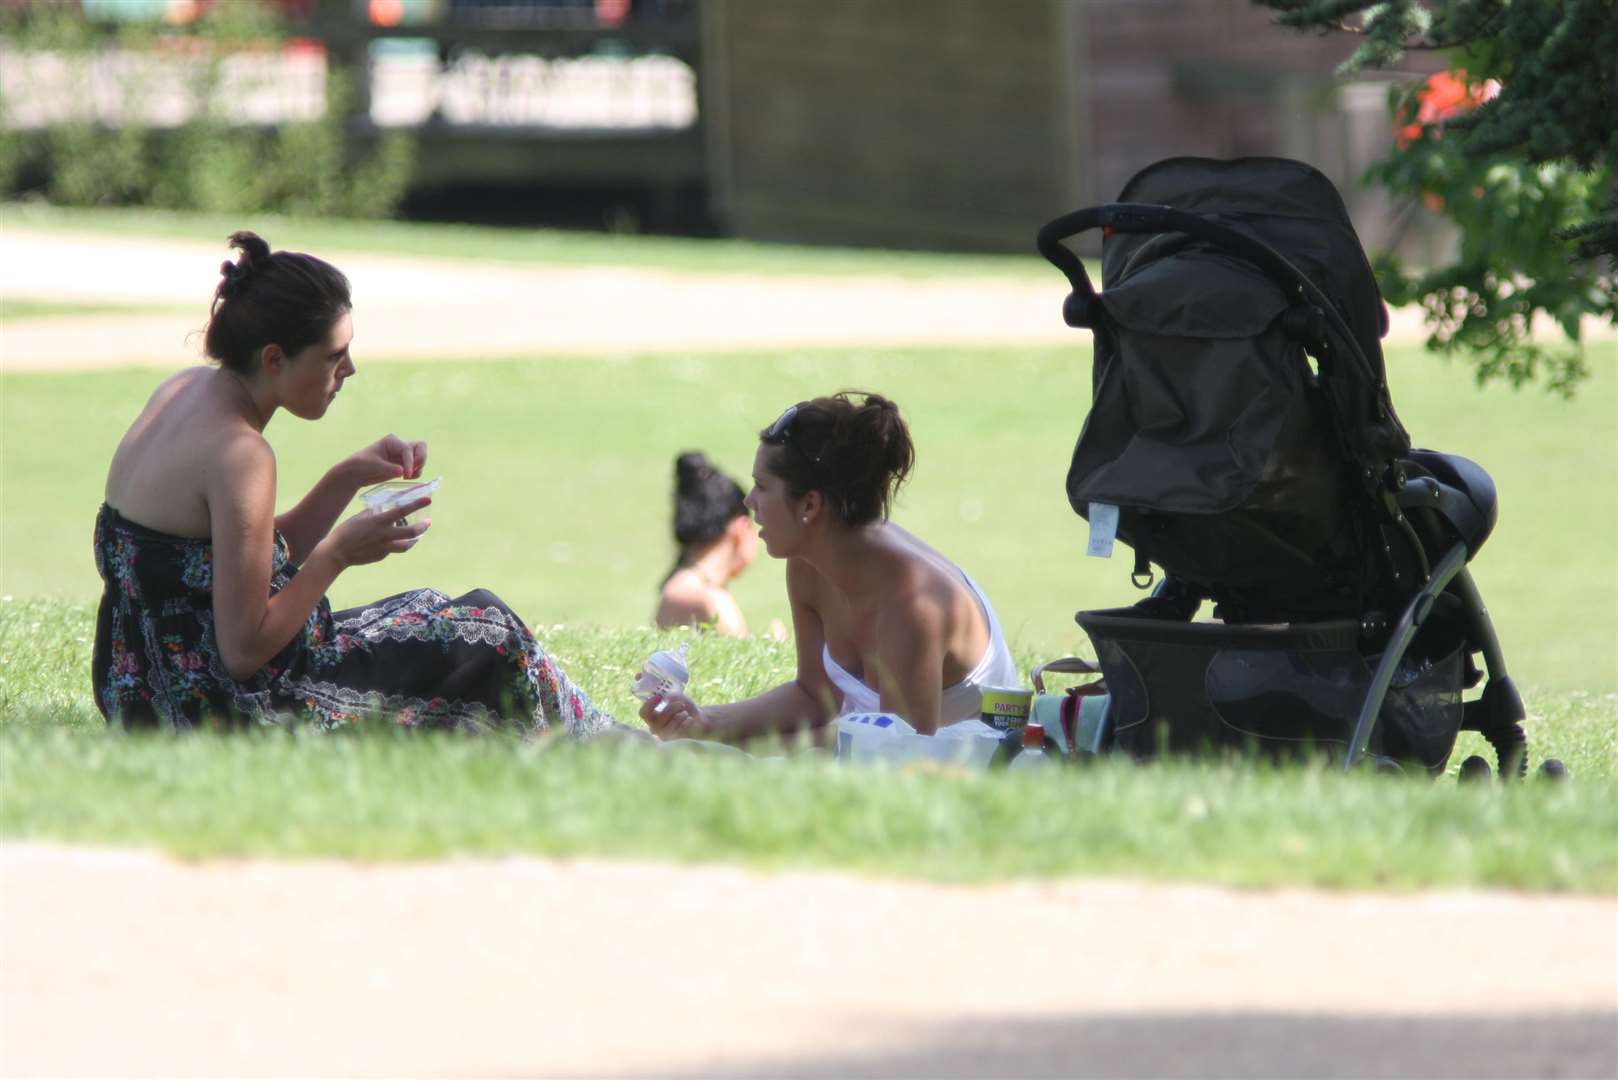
504	244
382	794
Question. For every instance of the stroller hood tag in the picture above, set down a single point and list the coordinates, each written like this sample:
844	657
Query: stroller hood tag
1103	529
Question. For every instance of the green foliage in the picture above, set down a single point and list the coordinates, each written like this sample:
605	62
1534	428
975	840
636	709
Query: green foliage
1513	265
1529	175
94	165
210	162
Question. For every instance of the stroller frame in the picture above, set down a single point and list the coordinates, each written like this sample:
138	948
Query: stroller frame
1432	515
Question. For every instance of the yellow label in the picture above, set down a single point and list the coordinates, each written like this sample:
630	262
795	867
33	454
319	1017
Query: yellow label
1004	707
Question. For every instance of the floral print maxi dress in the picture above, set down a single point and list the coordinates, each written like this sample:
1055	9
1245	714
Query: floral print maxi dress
419	658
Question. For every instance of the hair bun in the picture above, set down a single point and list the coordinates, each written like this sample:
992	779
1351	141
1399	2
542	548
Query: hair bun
853	446
690	468
254	248
261	298
255	256
705	500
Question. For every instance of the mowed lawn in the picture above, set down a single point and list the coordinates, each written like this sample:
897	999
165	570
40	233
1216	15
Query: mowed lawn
557	476
557	480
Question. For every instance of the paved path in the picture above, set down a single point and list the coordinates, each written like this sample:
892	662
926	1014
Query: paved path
131	964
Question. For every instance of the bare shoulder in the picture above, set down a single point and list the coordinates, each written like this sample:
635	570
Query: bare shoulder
239	466
242	448
919	602
685	601
804	582
181	379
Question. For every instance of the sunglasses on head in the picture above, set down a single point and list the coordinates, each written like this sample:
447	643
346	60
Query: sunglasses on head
780	433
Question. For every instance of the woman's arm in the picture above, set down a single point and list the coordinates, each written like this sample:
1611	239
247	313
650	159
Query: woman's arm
250	625
909	662
809	701
389	458
306	524
727	616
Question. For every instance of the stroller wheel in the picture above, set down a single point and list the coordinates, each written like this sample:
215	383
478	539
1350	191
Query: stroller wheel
1474	769
1553	769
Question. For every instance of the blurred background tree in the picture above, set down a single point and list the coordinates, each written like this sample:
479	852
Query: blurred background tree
1517	145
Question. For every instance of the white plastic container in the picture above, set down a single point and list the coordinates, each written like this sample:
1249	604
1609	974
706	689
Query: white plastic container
887	737
392	494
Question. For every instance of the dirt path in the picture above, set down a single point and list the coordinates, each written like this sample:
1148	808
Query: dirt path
468	310
133	964
408	308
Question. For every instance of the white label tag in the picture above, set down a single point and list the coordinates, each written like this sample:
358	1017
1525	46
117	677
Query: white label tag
1103	529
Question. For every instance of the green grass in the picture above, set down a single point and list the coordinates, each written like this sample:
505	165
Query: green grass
380	794
557	477
397	797
13	309
559	247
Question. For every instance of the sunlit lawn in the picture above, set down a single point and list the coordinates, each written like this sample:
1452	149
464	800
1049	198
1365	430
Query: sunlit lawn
556	489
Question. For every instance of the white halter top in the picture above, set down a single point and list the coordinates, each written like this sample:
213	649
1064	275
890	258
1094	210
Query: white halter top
964	700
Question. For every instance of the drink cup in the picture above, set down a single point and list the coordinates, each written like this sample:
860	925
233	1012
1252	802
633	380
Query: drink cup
1005	708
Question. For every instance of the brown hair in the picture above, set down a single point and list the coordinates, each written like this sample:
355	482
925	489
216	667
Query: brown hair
285	298
855	453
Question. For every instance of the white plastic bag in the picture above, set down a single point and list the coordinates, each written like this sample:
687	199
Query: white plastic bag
886	737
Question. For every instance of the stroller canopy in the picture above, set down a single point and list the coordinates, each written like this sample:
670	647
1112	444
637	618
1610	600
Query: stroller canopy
1295	211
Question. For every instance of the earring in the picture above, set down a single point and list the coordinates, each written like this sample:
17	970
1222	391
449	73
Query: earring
806	519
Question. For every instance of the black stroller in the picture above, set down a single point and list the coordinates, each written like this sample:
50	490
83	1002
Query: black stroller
1242	438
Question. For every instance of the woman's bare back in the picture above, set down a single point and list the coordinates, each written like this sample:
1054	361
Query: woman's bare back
159	472
911	568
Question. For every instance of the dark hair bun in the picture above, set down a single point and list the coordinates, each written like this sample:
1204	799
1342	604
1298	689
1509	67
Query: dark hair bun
271	298
706	501
255	255
255	250
856	452
689	469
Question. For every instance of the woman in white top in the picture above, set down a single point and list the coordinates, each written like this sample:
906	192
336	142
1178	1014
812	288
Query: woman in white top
881	620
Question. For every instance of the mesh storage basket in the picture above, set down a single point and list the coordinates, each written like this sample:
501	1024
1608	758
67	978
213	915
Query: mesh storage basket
1283	690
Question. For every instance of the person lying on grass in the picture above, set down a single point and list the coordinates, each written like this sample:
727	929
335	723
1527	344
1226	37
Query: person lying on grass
717	541
881	620
214	607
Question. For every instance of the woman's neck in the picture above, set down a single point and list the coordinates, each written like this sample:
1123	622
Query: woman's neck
242	394
714	566
854	560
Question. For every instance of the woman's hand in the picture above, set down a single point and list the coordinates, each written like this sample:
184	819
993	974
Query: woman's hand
389	458
679	718
370	537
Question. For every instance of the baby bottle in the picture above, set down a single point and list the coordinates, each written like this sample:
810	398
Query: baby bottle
664	673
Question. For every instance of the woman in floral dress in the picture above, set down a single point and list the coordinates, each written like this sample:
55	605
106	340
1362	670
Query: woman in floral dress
214	610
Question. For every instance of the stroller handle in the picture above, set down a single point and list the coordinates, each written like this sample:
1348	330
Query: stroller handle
1079	309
